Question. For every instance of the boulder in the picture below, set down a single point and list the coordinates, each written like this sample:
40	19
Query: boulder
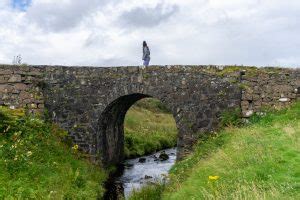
148	177
163	156
248	113
142	160
284	99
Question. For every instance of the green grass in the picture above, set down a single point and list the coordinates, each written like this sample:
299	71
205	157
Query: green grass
153	192
257	161
148	127
35	164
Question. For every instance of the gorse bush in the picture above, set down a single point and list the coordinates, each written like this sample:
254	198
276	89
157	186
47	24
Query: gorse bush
35	164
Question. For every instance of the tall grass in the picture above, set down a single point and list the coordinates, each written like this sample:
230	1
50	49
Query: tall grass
34	164
257	161
148	127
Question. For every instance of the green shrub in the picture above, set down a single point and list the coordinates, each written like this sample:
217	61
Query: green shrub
231	117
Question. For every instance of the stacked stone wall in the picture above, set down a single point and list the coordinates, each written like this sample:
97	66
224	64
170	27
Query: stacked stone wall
268	88
20	87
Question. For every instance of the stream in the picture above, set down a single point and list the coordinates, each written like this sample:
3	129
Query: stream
138	172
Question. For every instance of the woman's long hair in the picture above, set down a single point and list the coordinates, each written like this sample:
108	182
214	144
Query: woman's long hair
145	44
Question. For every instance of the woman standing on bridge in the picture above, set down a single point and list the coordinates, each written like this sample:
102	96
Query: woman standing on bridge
146	54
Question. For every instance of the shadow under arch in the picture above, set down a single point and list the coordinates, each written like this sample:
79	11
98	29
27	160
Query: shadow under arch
110	137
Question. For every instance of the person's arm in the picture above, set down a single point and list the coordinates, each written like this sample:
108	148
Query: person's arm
144	54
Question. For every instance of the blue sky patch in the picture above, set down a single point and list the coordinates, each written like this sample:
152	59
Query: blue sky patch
21	4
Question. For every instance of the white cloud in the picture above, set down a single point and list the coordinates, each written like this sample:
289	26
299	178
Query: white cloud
147	17
62	15
107	33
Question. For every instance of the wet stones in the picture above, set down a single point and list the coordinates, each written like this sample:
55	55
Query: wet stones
163	156
128	165
147	177
142	160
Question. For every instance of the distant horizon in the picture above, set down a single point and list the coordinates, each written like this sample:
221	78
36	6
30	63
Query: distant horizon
110	32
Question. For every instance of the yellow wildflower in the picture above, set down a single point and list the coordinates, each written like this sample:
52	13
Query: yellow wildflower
213	178
75	147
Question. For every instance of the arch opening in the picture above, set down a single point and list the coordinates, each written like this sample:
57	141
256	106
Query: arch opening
149	127
111	132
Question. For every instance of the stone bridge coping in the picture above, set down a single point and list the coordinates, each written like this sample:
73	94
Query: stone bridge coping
194	68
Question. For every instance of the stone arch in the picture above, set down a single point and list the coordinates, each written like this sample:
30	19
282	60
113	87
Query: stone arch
110	137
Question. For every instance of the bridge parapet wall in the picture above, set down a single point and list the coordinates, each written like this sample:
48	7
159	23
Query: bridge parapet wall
20	87
268	88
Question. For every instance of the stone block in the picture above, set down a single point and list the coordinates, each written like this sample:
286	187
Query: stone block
6	71
5	88
247	96
24	95
284	99
34	73
20	86
15	78
248	113
29	79
41	106
255	97
14	91
33	106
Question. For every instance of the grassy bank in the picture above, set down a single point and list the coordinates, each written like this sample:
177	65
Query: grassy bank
258	161
34	164
148	127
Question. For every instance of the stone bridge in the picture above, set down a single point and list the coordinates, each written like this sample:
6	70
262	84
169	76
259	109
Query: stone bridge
91	103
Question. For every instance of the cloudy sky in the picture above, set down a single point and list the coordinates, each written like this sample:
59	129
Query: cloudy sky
110	32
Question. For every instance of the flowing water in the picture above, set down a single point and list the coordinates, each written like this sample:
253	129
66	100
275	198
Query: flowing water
139	172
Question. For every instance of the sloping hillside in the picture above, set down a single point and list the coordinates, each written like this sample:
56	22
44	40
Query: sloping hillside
257	161
149	127
35	164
